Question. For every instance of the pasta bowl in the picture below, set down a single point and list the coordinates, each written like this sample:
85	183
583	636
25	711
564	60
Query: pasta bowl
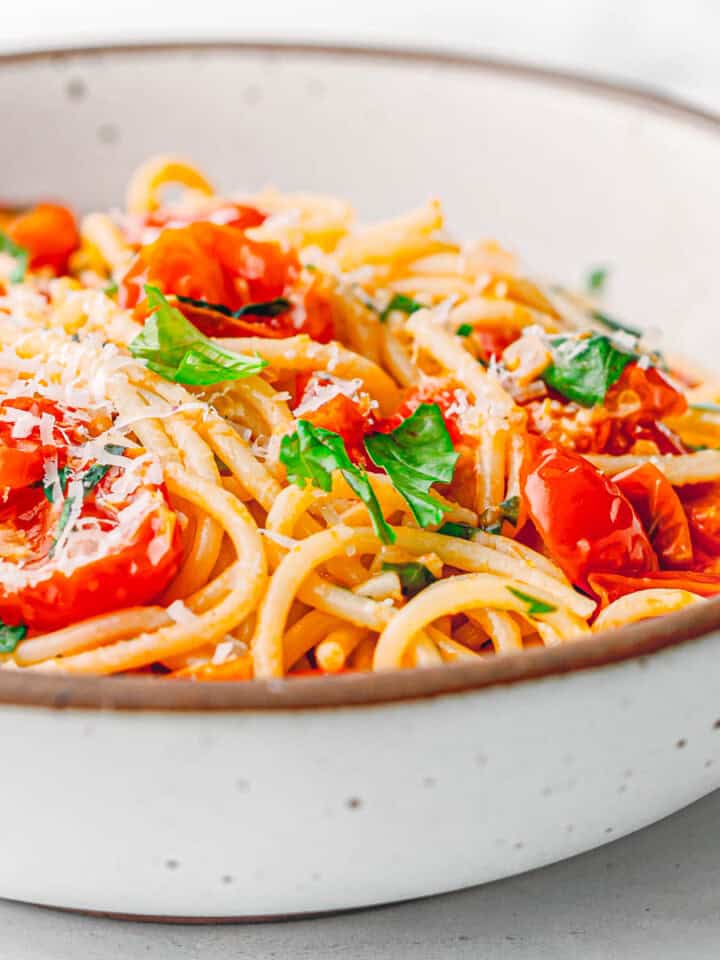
283	797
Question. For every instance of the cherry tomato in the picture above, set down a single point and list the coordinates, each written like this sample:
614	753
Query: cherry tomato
492	343
220	264
49	233
585	522
431	390
702	506
351	418
610	586
22	458
135	556
657	504
240	216
127	572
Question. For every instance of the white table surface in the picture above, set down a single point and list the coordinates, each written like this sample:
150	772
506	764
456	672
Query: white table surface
655	894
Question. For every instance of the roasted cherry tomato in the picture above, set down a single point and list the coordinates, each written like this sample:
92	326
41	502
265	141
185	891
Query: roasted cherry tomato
330	408
585	522
121	550
702	506
22	450
220	264
610	586
49	233
432	390
657	504
237	215
492	343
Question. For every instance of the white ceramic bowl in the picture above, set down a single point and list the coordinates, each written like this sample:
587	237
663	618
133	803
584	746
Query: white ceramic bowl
140	797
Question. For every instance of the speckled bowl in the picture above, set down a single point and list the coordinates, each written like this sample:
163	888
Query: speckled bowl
136	796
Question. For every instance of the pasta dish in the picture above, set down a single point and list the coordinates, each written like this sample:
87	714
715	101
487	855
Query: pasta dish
243	436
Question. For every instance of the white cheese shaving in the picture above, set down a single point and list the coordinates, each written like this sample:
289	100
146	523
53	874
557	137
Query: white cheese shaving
181	614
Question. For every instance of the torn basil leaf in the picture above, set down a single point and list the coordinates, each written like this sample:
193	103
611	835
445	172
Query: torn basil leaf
313	453
534	605
414	576
403	304
19	254
10	637
268	308
584	369
176	350
596	280
464	330
461	530
415	455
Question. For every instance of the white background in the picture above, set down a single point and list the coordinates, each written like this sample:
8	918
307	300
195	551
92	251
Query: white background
670	44
654	895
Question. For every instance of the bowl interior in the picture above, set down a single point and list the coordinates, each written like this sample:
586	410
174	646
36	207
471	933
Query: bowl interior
569	173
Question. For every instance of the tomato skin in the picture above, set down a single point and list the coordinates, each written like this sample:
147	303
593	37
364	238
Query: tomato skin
221	264
22	459
49	233
492	343
243	217
611	586
702	506
585	522
655	501
431	390
121	578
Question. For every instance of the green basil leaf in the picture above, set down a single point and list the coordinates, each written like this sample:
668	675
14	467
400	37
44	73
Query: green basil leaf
596	279
464	330
610	323
92	477
19	254
10	637
111	289
414	576
49	488
268	308
510	509
313	453
534	605
403	304
461	530
176	350
584	369
62	522
415	455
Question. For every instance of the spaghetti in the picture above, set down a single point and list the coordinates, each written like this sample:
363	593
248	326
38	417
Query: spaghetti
243	437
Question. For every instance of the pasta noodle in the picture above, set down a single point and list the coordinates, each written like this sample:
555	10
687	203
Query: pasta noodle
242	436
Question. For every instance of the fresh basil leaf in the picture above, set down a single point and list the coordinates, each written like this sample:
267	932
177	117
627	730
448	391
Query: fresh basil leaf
415	455
268	308
19	254
534	605
313	453
10	637
62	522
461	530
403	304
172	347
584	369
49	488
111	289
464	330
510	509
92	477
596	279
610	323
414	576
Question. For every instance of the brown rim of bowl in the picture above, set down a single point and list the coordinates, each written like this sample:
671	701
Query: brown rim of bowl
634	642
